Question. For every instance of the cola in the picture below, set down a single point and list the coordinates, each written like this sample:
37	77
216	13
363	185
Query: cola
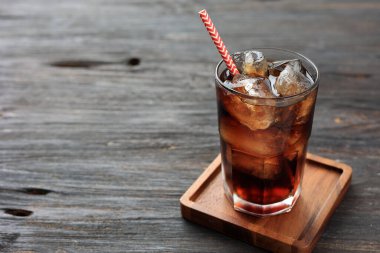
265	118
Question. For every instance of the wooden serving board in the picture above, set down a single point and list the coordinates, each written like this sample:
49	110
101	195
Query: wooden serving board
324	184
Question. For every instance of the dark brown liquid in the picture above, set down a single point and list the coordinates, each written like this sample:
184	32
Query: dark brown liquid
263	147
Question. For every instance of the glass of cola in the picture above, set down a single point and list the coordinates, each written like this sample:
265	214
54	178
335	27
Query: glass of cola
265	117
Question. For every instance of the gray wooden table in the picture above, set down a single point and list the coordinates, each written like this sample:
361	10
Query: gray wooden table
108	114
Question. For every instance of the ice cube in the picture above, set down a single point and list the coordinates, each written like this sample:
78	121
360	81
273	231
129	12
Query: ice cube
228	84
238	78
297	140
275	72
298	133
260	88
296	65
306	108
257	87
263	168
252	116
272	80
251	63
259	143
276	67
291	81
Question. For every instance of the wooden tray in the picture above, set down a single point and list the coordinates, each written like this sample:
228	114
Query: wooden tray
324	184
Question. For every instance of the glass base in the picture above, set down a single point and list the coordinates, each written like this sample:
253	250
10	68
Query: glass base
244	206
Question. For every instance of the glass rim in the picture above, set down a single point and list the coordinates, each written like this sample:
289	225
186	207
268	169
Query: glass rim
316	81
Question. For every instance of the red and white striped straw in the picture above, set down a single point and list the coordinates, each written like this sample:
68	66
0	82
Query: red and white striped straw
218	42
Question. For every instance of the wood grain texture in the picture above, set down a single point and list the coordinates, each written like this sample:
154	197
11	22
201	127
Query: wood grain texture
324	185
100	149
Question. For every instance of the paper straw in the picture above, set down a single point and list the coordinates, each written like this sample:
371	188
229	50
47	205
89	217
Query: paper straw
218	42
